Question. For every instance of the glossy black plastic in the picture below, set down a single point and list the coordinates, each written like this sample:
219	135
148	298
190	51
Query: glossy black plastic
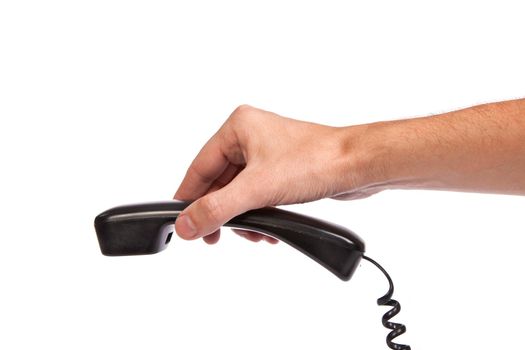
147	228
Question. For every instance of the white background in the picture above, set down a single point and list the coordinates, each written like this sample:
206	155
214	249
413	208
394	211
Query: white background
107	102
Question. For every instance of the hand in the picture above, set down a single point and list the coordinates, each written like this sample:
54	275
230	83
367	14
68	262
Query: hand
259	159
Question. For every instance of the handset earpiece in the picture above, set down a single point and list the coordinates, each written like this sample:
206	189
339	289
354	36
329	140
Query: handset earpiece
147	229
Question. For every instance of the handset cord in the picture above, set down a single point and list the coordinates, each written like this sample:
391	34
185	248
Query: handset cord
397	328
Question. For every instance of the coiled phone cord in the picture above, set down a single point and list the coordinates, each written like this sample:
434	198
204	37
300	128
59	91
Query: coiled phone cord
397	328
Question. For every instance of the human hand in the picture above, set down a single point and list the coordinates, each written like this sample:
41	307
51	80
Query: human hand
258	159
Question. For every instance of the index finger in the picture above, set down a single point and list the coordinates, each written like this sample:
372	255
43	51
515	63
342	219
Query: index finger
219	159
207	166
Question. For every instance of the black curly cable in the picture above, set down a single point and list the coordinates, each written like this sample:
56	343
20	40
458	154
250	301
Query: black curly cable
397	328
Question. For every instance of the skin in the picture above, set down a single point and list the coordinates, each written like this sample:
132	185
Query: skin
258	158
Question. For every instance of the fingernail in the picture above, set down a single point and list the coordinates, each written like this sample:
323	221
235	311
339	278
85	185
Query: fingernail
186	227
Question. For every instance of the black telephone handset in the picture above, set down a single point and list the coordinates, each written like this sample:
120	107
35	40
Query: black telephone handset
147	228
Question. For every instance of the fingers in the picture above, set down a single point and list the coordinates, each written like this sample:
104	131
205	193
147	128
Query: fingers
255	236
210	164
203	171
218	181
211	211
209	172
213	237
251	236
229	173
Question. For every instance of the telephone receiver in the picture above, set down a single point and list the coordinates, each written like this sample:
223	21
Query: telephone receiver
147	228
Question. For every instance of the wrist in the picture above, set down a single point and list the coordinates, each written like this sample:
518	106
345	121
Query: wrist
362	158
381	156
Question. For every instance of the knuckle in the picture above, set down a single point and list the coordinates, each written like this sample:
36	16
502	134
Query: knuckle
193	170
241	112
242	109
211	210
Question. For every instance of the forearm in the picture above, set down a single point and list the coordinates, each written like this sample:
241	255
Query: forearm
479	149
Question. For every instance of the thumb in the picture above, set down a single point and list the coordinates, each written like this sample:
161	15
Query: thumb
208	213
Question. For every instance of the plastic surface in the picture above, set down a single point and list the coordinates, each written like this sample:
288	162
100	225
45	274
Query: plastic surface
147	229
